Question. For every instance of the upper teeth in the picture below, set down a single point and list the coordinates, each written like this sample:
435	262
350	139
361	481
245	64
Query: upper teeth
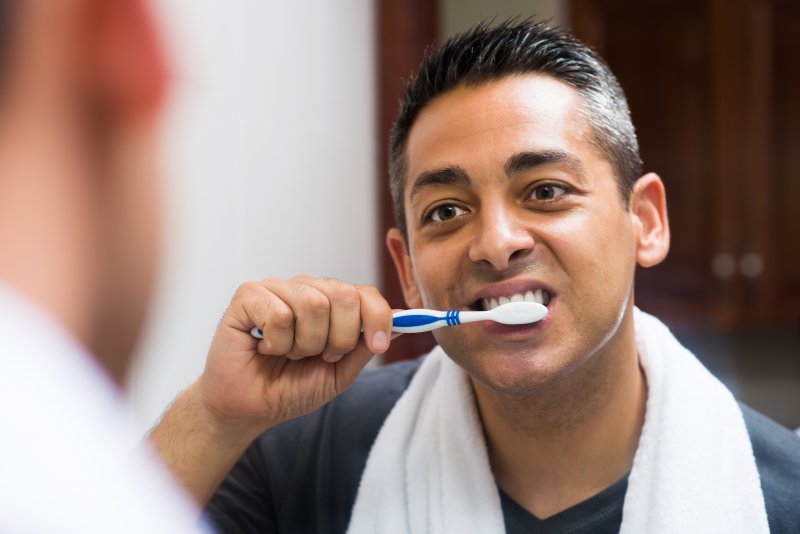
539	296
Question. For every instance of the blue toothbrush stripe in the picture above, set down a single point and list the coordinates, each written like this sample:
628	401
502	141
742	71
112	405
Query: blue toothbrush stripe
414	320
452	317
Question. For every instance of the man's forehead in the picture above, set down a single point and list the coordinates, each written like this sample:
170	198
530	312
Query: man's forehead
494	120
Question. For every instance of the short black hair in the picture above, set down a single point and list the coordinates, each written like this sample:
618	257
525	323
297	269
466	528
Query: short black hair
488	53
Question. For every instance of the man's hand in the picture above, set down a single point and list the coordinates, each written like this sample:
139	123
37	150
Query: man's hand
312	350
318	335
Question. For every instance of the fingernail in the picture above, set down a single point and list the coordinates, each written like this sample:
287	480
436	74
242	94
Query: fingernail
380	342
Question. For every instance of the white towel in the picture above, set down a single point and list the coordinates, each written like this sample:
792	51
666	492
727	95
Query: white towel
694	471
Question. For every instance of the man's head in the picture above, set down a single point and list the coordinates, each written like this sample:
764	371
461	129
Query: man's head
80	88
485	54
523	184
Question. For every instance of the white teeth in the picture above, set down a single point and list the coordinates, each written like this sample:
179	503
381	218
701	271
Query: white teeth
539	296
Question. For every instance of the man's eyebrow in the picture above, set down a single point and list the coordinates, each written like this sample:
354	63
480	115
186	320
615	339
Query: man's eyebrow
443	176
522	161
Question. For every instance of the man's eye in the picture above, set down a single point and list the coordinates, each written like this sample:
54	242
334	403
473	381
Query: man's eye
445	213
548	192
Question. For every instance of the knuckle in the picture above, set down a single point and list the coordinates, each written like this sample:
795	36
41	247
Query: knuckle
246	288
347	296
316	302
281	318
378	307
368	289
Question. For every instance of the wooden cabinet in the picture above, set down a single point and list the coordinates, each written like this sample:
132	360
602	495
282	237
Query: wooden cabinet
714	90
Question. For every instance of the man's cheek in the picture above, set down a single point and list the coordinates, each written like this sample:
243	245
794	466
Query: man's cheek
430	282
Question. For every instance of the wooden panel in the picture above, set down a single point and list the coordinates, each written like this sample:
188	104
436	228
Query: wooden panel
660	53
405	29
713	89
783	264
756	243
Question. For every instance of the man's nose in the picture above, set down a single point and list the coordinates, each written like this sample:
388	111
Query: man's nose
501	237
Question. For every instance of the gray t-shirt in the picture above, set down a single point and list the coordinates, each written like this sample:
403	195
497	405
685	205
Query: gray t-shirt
302	476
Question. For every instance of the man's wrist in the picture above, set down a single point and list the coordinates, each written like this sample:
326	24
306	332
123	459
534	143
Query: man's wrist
220	429
198	445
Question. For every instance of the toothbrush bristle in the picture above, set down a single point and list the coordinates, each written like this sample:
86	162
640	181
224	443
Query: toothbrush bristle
520	313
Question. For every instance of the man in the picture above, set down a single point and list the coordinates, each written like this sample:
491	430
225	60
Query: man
516	175
81	85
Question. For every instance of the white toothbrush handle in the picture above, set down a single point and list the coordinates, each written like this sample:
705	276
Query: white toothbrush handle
475	316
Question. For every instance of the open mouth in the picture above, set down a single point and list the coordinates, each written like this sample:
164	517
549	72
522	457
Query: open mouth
539	296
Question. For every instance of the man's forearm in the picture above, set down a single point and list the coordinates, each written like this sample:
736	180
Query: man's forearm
197	448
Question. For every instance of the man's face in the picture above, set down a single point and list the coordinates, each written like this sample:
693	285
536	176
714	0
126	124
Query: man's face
506	196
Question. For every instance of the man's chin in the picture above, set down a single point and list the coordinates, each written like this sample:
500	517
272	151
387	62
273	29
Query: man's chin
513	372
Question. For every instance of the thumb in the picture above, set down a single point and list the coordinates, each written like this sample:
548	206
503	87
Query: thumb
348	368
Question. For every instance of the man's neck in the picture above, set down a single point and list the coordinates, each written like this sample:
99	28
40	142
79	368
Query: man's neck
44	227
559	446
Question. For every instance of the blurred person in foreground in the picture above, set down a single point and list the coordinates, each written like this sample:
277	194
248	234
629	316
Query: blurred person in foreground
516	175
81	82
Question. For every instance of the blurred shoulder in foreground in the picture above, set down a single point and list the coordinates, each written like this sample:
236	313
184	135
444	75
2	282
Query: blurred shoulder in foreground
80	86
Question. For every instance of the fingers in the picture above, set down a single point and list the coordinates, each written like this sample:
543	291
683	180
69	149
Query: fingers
376	317
311	311
254	304
306	316
344	327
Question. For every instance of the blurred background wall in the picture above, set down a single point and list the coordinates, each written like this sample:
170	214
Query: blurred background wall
269	166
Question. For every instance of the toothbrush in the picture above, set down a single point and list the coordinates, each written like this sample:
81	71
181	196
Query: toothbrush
422	320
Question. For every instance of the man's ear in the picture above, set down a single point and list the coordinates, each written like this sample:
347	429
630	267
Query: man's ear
405	270
648	208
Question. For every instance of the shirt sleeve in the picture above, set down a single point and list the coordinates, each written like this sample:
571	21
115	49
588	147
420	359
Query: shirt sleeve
777	453
242	503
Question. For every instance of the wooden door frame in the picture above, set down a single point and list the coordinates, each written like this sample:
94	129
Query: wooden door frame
405	29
